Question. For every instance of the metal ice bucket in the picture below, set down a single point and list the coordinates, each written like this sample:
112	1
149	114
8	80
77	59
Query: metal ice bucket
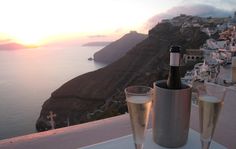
171	114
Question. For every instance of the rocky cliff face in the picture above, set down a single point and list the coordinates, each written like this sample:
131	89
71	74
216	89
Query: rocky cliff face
117	49
99	94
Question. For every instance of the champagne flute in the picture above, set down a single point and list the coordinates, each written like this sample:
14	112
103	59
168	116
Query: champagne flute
139	101
211	97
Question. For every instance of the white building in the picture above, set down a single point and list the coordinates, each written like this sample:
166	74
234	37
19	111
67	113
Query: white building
206	30
211	43
233	47
222	27
193	55
221	44
233	21
165	21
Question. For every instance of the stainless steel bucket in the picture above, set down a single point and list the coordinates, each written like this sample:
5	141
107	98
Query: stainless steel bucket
171	114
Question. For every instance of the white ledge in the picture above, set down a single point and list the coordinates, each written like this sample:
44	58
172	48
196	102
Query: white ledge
73	136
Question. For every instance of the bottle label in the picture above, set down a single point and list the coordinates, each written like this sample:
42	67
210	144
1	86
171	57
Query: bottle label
174	59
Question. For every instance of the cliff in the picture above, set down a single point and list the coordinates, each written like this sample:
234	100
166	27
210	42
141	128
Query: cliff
117	49
99	94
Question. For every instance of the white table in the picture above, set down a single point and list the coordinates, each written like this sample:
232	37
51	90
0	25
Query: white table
126	142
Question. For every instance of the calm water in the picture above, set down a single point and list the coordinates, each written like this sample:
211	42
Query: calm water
27	78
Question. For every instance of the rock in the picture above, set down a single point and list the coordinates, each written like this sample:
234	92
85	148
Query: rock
117	49
99	94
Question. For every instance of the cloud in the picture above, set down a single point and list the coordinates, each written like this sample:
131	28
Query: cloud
200	10
11	46
195	10
223	4
4	41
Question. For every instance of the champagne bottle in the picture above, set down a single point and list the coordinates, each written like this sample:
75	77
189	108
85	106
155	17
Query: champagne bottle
174	81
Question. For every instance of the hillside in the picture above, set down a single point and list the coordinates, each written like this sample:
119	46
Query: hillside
117	49
99	94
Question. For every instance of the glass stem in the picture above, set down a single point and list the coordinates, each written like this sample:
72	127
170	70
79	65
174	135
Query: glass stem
138	146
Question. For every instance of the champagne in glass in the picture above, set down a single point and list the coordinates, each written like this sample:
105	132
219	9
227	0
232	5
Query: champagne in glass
211	97
209	110
139	100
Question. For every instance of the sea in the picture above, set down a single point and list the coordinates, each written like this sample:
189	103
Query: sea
29	76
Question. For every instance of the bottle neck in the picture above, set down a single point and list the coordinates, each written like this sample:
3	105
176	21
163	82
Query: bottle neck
174	59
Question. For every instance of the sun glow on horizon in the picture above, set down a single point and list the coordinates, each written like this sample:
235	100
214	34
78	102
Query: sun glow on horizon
29	39
41	21
34	21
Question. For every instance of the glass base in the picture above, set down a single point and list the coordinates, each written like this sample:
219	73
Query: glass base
138	146
205	144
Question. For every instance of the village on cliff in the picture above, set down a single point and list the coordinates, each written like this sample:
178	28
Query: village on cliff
218	51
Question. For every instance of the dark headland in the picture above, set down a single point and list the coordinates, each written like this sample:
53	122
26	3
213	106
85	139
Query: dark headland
99	94
119	48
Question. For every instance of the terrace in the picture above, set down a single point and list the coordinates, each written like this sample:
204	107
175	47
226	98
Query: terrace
102	130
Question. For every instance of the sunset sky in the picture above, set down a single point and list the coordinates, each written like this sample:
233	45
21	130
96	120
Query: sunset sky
42	21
